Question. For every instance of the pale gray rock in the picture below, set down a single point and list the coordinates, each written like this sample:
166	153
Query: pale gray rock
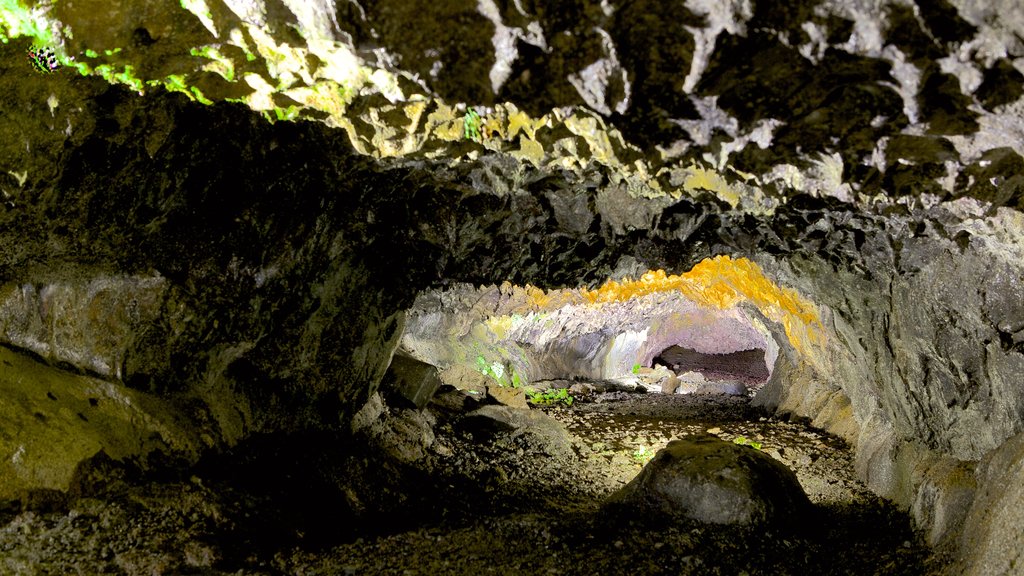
706	479
93	324
993	542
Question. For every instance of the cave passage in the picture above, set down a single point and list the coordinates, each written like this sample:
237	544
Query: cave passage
717	324
745	366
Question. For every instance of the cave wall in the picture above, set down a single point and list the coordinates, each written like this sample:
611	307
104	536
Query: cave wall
559	334
248	263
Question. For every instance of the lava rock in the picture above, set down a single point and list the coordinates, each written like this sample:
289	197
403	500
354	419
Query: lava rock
721	387
992	539
537	429
709	480
512	397
465	379
410	381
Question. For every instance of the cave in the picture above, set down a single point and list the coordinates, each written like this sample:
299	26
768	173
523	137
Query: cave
612	287
746	366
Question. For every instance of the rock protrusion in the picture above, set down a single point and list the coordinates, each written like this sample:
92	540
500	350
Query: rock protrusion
411	381
537	429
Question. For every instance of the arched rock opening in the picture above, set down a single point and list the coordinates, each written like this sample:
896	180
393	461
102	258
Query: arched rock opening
512	336
748	366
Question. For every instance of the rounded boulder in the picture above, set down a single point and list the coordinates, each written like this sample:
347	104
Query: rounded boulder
707	479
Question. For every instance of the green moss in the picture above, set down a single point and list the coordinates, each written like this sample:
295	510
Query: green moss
277	114
471	125
16	20
128	78
219	63
83	68
175	83
125	76
643	455
289	113
742	441
549	397
199	97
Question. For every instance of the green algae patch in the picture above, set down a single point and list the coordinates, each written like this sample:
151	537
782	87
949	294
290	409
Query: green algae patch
54	420
16	20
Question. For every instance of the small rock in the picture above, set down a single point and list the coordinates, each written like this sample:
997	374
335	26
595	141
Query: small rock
582	389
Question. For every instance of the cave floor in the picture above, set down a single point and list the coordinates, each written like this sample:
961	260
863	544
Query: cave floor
471	505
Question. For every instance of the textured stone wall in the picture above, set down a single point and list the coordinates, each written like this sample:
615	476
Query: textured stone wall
868	157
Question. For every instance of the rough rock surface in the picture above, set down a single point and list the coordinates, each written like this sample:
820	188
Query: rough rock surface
867	157
272	506
996	546
544	336
55	421
707	479
411	381
542	432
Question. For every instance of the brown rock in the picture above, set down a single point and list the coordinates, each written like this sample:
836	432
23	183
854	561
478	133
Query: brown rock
513	397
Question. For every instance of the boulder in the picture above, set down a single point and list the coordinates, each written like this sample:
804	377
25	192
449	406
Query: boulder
506	396
54	420
402	433
709	480
410	381
537	429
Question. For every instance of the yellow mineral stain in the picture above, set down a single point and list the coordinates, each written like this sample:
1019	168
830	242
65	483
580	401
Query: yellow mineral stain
519	121
723	282
702	179
537	297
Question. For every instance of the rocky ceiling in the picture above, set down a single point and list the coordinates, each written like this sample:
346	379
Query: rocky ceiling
216	212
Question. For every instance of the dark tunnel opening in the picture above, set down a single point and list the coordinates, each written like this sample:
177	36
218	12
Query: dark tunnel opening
747	367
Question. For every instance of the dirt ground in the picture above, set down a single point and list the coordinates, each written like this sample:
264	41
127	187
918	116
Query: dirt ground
504	502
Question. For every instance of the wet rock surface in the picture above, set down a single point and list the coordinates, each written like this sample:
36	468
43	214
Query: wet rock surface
319	504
